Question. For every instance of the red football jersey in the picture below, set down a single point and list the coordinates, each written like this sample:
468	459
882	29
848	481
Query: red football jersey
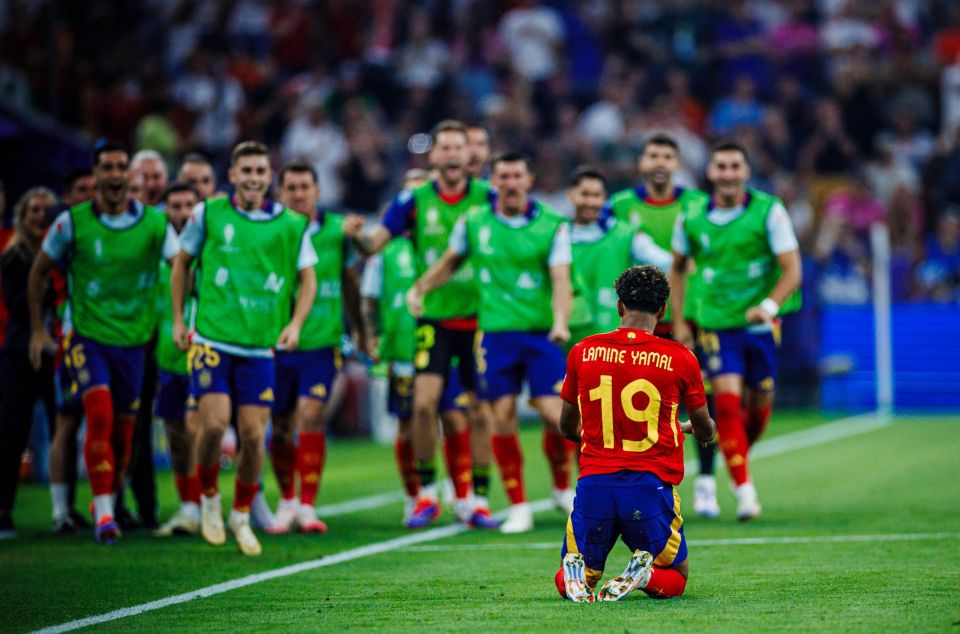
628	385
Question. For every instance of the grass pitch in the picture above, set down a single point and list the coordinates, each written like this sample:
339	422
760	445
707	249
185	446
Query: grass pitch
858	534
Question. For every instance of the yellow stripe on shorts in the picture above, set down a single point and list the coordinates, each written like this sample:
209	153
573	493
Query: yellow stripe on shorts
571	540
669	552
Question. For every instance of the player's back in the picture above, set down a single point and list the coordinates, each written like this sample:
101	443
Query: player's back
629	385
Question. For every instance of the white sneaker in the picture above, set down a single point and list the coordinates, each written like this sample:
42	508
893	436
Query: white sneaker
705	496
211	520
284	518
186	521
307	520
575	579
636	575
260	514
463	509
247	542
448	493
408	505
563	500
519	519
748	505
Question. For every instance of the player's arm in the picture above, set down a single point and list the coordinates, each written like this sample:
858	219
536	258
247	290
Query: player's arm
396	219
783	243
290	336
370	242
678	283
351	301
40	339
371	289
180	280
703	428
561	301
570	422
435	277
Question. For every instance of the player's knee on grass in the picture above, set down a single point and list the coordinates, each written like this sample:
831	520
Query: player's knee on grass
667	583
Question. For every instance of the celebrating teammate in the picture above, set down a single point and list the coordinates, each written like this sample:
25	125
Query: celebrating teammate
447	326
652	209
305	376
111	247
197	172
478	148
251	253
621	395
521	252
747	255
149	164
179	420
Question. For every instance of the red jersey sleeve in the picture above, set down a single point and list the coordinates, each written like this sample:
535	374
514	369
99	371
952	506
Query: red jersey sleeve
569	391
693	392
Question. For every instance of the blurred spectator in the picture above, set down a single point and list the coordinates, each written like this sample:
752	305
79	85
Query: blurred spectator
741	45
423	60
534	37
365	173
740	109
78	187
937	275
908	144
312	136
215	99
829	154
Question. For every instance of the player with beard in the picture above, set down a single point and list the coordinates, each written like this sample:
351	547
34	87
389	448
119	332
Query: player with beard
478	143
447	328
251	253
111	246
521	251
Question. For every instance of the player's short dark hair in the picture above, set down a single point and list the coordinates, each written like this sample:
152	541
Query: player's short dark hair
447	125
177	187
74	175
298	166
643	288
512	156
587	172
248	148
475	125
660	138
195	157
107	145
730	145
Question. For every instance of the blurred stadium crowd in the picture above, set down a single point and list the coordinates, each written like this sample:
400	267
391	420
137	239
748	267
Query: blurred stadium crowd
851	107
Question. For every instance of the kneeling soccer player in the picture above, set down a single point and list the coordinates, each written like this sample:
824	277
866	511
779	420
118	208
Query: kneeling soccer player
627	386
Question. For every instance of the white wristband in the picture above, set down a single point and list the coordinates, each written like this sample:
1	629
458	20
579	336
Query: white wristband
770	307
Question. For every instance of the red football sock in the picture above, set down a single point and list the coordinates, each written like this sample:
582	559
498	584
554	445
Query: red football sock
208	479
558	451
733	438
403	449
283	456
506	451
456	450
97	446
665	583
243	495
311	453
757	423
188	487
123	446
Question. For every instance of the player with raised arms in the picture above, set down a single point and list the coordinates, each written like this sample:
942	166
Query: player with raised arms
252	252
175	406
620	401
521	252
652	209
111	246
305	376
447	327
748	259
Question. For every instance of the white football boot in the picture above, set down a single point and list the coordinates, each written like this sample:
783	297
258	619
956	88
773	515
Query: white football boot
519	519
247	542
186	521
748	505
284	518
260	514
575	579
211	520
307	520
705	496
636	575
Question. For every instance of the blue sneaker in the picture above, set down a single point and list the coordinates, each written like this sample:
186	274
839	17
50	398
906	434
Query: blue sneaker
481	518
423	513
107	531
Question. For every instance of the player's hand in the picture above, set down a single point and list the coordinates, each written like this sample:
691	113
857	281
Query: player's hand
415	301
180	336
289	338
371	345
683	334
757	315
40	342
559	334
353	225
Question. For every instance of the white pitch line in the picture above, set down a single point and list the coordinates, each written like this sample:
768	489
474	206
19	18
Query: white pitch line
782	444
359	504
706	543
441	532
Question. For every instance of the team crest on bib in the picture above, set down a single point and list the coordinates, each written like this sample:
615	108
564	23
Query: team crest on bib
228	234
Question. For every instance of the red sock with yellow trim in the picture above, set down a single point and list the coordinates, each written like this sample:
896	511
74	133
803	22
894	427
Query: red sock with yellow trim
97	447
123	447
208	477
509	457
665	583
188	487
558	451
757	421
403	450
283	456
243	494
733	438
456	451
311	453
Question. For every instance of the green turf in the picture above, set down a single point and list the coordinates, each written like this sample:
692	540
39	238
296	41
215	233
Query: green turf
900	479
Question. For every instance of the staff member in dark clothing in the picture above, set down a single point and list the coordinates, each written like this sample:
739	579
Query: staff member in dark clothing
21	383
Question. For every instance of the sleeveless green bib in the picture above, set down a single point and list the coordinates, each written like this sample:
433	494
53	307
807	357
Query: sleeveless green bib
113	276
324	326
596	266
248	273
397	339
169	357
